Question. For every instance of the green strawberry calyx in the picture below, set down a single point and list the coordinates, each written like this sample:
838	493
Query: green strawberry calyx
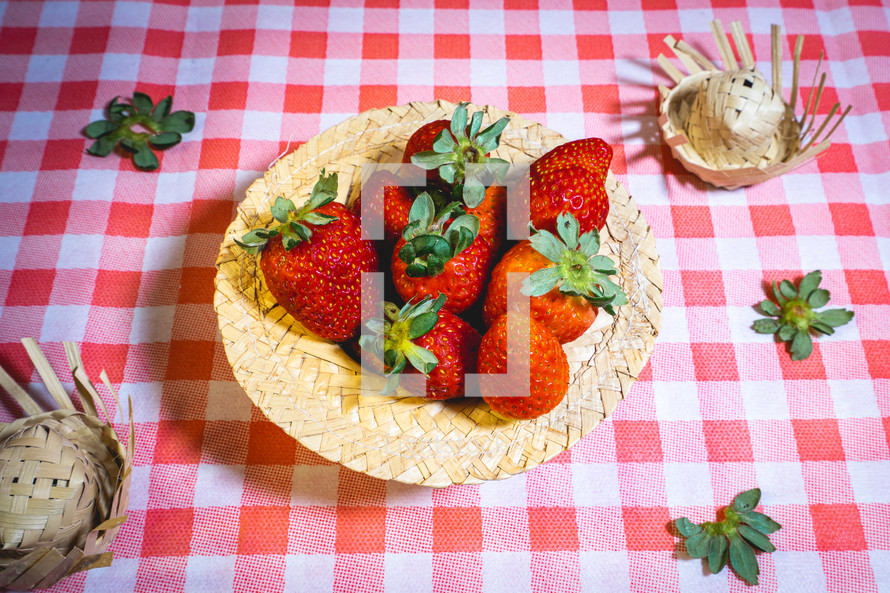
793	314
293	229
392	340
160	129
465	143
732	539
577	270
430	242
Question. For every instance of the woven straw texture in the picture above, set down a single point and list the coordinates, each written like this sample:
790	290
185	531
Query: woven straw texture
64	482
730	127
312	389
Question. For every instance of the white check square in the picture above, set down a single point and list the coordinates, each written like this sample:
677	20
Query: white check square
203	19
80	252
626	22
152	324
604	571
870	481
486	22
175	188
596	485
146	401
47	68
408	573
506	571
65	322
9	248
131	14
226	400
416	20
275	17
209	573
31	125
803	188
342	72
163	253
765	400
312	573
94	184
561	73
120	66
799	571
557	22
504	493
780	482
261	125
688	484
219	485
676	400
268	69
854	399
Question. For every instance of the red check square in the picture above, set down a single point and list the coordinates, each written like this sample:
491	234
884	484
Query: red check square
179	441
638	441
361	530
308	44
526	99
552	529
263	530
523	47
771	221
692	222
62	155
30	287
727	441
452	47
837	527
168	532
189	360
599	98
715	362
227	95
851	219
818	440
17	40
457	529
374	96
595	47
380	46
166	44
268	444
90	40
647	528
235	42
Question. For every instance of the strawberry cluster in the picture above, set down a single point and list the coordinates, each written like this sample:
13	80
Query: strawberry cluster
450	263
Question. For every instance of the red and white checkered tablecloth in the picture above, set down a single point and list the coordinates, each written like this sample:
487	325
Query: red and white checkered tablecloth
122	262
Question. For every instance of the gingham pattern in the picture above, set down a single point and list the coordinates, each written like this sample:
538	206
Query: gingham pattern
121	261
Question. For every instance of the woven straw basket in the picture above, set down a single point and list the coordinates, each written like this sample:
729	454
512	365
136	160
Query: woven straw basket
64	481
312	389
731	128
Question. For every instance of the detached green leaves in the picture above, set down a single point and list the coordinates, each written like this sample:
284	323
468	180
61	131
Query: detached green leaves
138	128
793	318
732	540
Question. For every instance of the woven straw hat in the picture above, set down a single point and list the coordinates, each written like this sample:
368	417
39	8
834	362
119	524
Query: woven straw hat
312	389
730	127
64	481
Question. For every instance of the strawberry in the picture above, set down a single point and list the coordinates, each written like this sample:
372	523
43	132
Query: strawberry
568	280
569	178
312	262
451	148
545	371
492	214
384	187
440	256
434	341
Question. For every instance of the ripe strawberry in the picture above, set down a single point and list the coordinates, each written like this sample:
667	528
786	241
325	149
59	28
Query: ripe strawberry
543	376
384	187
440	256
312	262
492	214
569	178
568	280
452	148
434	341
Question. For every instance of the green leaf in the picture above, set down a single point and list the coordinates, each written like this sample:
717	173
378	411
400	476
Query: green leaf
475	124
819	326
787	332
178	121
101	147
422	324
809	283
835	317
459	122
569	229
717	556
434	265
282	208
747	500
686	527
162	109
770	308
756	538
447	172
818	298
430	159
420	358
392	383
697	545
422	210
165	139
801	346
416	270
787	289
302	232
145	158
318	219
589	245
760	522
444	142
542	281
129	145
289	241
142	103
766	326
407	253
473	195
742	557
778	294
99	128
492	133
546	243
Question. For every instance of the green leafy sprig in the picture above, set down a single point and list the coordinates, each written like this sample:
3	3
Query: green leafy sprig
577	270
795	315
429	245
732	539
465	144
393	338
293	229
161	129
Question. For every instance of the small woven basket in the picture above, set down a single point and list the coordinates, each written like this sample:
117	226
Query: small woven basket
312	389
730	127
64	481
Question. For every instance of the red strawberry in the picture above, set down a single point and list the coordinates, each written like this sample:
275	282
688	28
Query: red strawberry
440	256
455	154
492	214
312	262
570	178
544	376
384	187
422	337
568	281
